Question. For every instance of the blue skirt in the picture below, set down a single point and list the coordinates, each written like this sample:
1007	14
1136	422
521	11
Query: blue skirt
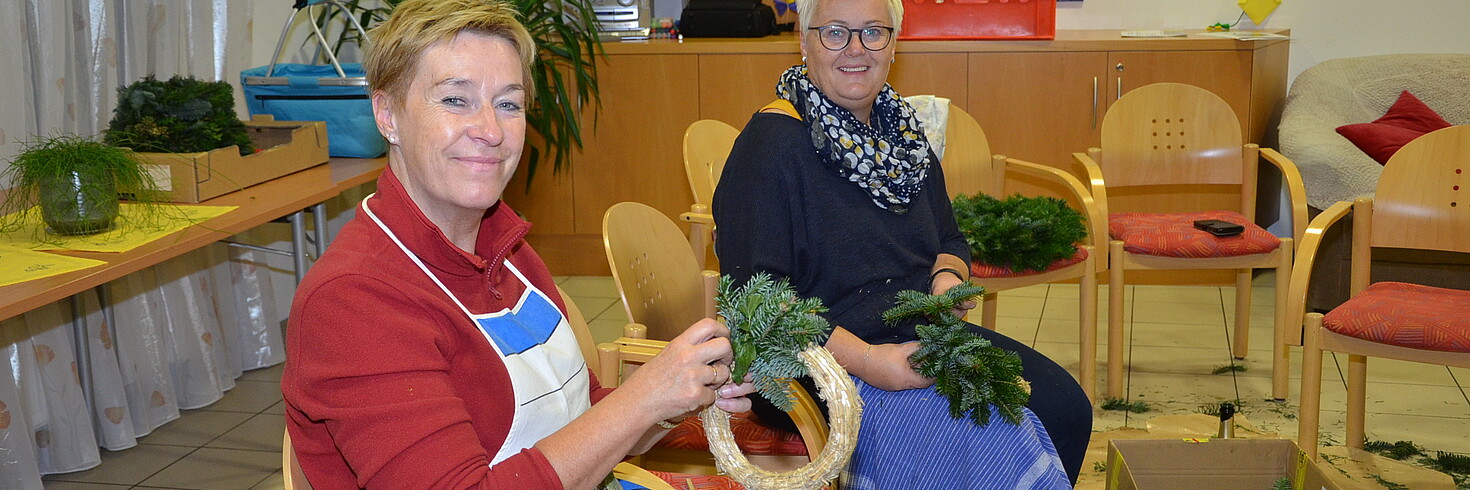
908	440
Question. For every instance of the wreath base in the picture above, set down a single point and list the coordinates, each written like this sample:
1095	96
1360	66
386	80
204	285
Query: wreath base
845	410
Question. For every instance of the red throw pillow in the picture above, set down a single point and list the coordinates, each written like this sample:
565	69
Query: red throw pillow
1407	118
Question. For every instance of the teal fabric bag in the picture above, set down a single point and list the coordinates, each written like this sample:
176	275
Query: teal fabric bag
299	92
337	93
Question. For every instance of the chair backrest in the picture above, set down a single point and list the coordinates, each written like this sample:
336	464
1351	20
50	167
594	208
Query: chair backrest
1173	133
1423	196
657	278
707	144
580	329
968	167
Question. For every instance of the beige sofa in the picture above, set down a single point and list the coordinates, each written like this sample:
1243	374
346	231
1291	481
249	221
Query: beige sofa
1355	90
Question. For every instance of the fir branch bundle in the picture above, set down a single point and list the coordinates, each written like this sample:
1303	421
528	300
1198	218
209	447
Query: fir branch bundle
769	328
914	304
181	115
1020	232
974	375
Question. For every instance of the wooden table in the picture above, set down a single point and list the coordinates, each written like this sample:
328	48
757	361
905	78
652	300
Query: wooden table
258	204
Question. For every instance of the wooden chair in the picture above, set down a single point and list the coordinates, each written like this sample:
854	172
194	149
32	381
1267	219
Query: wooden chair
707	144
1422	202
969	168
663	291
1176	150
291	476
658	279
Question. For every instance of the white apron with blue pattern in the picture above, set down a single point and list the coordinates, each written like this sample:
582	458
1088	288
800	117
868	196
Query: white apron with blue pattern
540	353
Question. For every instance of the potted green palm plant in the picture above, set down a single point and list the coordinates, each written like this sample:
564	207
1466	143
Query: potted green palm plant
564	74
74	181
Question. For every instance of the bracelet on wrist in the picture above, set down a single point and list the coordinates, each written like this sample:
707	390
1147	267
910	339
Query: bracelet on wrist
951	270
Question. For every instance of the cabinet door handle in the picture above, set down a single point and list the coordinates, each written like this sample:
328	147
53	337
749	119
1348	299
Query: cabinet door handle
1094	102
1120	88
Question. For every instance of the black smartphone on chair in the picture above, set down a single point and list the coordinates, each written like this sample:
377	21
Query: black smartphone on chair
1219	227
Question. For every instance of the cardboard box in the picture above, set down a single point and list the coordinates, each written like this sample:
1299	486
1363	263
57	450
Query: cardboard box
1231	464
283	147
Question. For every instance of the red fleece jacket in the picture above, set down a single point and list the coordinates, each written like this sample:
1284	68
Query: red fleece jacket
387	383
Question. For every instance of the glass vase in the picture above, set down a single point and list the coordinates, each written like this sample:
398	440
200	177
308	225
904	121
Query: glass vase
78	203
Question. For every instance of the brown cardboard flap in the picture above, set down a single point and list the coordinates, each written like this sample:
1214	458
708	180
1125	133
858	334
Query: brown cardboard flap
1224	464
283	147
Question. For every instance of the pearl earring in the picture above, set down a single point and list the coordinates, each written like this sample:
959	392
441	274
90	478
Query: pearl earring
803	59
892	60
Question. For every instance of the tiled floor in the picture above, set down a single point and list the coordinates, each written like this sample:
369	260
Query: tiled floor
1178	336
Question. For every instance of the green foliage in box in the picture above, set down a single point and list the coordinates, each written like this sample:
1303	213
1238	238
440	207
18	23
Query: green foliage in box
769	328
180	115
1019	232
974	375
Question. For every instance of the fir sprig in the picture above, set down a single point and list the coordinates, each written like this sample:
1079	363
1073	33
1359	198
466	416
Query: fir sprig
974	375
180	115
915	304
1019	232
769	327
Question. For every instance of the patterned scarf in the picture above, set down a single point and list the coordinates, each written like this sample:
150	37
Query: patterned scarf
888	159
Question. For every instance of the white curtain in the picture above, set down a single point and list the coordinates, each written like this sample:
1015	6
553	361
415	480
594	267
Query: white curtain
65	59
183	330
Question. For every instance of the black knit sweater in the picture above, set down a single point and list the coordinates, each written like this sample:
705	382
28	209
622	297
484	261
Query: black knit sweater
778	209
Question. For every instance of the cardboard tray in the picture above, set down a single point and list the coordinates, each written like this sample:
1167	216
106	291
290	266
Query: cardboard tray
283	147
1225	464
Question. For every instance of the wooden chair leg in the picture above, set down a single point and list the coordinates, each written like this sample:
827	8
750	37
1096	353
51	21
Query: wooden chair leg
1308	416
1115	319
1242	312
989	309
1357	391
711	289
699	240
1087	329
1280	351
608	364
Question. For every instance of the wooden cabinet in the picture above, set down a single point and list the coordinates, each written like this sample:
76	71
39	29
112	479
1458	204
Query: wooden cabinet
1039	106
1036	100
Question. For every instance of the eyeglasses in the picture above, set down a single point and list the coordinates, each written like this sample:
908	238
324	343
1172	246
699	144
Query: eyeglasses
836	38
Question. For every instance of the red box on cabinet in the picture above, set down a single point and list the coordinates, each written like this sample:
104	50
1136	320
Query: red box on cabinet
979	19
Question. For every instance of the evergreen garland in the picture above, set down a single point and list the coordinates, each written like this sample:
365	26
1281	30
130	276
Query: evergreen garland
769	327
181	115
974	375
1020	232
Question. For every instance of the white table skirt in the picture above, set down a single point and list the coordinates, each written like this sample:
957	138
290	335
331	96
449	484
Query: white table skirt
185	330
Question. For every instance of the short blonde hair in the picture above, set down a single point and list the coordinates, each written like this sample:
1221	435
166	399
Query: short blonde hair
805	8
392	58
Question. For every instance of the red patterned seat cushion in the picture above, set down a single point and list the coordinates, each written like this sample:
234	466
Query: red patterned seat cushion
981	270
1406	315
1174	235
698	482
751	436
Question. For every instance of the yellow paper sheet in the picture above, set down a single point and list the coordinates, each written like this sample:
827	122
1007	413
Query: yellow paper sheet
124	236
18	265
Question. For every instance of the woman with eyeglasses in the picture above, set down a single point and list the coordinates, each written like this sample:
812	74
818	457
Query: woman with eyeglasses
839	192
